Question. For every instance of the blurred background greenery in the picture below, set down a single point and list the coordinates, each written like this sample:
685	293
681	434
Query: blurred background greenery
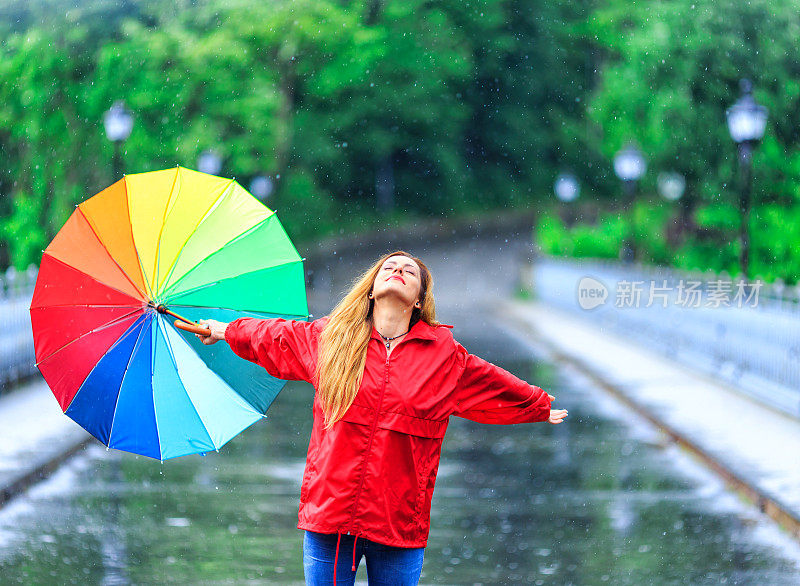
383	111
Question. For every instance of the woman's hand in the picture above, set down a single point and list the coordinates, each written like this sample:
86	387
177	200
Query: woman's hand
217	331
556	415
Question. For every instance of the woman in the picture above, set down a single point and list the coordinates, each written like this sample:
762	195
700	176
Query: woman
387	376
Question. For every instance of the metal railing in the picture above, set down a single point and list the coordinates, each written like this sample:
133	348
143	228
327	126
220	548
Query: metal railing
752	342
17	360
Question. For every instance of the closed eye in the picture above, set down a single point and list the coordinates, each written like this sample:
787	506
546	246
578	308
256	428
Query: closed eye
406	269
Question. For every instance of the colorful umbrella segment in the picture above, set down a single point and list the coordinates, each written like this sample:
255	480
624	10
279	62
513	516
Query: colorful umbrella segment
179	239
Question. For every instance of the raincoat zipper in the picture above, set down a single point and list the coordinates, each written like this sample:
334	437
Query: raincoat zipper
371	435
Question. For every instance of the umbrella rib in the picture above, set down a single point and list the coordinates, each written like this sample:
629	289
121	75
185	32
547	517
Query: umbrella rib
161	230
161	324
275	315
98	305
217	251
206	285
247	232
114	260
136	347
147	283
153	341
205	215
133	241
91	277
92	331
90	374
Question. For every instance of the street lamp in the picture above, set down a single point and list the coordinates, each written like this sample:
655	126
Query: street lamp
261	187
567	189
747	121
118	123
209	162
629	165
671	185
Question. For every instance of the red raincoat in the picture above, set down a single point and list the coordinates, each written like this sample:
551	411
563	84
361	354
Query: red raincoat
372	473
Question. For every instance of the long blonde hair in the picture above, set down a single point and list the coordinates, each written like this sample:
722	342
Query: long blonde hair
344	340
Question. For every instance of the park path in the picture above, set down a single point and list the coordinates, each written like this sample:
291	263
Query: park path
754	447
591	498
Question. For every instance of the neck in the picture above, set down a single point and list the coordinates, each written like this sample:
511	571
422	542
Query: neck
390	319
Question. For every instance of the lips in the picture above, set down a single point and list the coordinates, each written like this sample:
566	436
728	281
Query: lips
398	278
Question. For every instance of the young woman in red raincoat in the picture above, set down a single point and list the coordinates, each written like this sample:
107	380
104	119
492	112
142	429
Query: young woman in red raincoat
388	377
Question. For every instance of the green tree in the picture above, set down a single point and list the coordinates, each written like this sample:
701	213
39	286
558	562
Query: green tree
48	132
672	70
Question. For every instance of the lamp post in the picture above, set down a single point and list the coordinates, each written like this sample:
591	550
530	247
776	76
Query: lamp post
567	189
629	165
261	187
671	186
747	121
209	162
118	123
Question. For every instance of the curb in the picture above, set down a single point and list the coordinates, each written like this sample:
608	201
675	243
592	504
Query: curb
766	503
41	471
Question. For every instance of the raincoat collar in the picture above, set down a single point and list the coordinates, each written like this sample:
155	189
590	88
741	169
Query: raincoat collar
420	330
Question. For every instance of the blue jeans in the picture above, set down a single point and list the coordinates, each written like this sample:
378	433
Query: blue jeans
386	564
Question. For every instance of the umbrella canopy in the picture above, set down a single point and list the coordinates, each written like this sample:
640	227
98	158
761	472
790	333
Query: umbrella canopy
175	238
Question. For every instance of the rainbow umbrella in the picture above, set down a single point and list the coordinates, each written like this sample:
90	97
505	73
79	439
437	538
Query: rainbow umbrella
151	244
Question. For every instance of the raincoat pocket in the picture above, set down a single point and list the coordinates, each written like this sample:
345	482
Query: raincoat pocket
389	459
424	440
416	426
399	422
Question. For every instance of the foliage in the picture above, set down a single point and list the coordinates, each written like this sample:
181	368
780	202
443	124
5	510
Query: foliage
458	107
603	240
23	226
309	210
445	96
672	69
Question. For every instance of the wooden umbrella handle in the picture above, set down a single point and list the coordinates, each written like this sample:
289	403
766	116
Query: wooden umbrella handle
195	329
183	323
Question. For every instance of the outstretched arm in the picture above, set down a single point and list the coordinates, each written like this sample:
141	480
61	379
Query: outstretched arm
489	394
285	348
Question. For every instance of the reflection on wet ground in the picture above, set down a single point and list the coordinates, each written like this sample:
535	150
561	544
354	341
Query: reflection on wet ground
599	500
584	503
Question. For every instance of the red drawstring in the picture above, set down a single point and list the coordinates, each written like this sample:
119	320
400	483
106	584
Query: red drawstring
336	557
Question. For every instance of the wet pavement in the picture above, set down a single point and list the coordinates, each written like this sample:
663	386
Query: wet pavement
601	499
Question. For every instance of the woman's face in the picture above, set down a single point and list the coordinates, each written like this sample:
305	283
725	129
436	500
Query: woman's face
399	276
